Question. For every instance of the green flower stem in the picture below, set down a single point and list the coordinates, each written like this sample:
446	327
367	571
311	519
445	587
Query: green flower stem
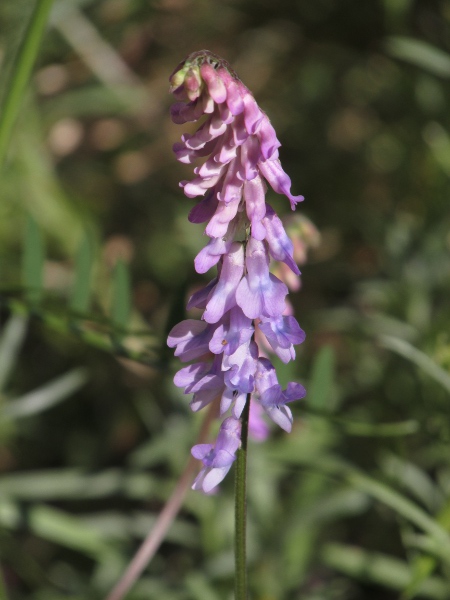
20	73
241	510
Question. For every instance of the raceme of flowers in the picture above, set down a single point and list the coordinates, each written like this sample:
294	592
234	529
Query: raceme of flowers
245	301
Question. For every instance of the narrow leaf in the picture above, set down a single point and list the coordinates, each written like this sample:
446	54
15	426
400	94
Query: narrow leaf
46	396
121	301
420	54
10	345
20	72
81	289
33	262
423	361
380	569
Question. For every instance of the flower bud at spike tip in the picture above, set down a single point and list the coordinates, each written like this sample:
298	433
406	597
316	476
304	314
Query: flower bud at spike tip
244	304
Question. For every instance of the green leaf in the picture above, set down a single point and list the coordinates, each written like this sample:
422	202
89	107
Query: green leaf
380	569
423	361
121	302
81	290
33	262
68	531
10	345
46	396
420	54
20	72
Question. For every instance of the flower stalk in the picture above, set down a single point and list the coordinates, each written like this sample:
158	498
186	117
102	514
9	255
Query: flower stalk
240	503
244	306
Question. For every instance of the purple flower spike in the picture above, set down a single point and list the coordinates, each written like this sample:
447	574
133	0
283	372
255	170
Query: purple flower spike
217	460
236	153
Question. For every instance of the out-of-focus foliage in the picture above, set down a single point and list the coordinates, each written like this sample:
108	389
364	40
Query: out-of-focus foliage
97	259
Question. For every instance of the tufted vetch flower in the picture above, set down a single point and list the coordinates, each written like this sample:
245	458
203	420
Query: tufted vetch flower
235	150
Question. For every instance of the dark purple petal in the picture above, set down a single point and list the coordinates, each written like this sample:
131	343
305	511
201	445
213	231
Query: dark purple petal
199	299
205	209
183	113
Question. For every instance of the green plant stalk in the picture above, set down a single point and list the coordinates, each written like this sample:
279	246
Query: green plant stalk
241	510
20	73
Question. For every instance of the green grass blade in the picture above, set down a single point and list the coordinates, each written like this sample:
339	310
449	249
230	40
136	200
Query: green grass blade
121	302
10	344
423	361
46	396
83	267
380	569
320	387
20	72
33	262
420	54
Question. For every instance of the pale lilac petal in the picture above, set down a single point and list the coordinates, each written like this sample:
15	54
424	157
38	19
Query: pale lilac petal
278	179
187	376
235	331
224	295
211	253
214	477
191	338
200	451
231	187
239	405
234	97
282	332
203	398
254	195
225	213
257	427
280	245
240	367
253	115
268	139
250	155
260	293
281	415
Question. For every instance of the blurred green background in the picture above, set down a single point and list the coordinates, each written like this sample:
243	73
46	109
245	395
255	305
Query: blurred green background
97	259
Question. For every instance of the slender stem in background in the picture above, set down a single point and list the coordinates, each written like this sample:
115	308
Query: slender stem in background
241	510
165	519
3	594
21	70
